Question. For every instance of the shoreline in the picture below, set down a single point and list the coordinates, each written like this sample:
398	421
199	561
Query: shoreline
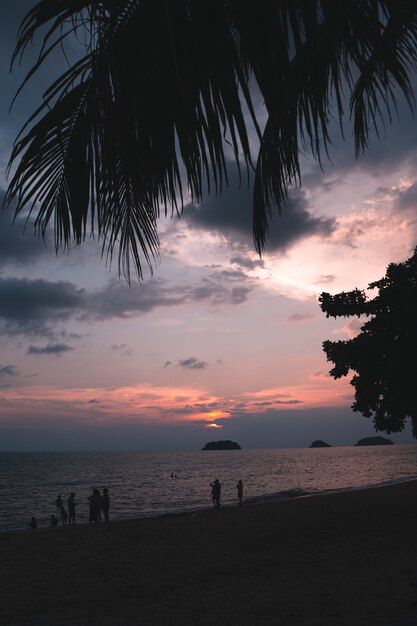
251	501
347	559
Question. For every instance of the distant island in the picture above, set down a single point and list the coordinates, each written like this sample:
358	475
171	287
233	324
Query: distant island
374	441
320	444
222	445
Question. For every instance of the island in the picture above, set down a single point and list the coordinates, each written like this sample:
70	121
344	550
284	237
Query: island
222	445
320	444
374	441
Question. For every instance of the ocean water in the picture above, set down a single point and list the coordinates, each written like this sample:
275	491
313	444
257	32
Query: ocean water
140	483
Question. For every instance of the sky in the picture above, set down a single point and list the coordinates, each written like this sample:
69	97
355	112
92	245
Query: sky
218	343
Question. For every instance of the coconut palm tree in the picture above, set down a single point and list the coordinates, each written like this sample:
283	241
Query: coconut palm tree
163	95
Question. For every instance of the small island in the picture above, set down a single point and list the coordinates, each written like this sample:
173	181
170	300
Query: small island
320	444
222	445
374	441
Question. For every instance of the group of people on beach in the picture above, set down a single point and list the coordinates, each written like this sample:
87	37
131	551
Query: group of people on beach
99	504
216	490
66	515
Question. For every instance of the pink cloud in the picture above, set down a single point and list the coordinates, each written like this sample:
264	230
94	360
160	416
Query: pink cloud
38	406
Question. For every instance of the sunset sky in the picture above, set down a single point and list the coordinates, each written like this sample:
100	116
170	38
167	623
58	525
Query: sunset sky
218	343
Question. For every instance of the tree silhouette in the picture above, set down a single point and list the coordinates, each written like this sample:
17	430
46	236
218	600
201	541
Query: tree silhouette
163	95
384	354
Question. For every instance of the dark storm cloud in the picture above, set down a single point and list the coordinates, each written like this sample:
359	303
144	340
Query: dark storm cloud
8	370
231	215
191	363
30	307
54	349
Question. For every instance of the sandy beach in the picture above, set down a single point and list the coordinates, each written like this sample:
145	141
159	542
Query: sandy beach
340	559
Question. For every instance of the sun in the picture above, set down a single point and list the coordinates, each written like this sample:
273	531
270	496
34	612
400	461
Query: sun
213	425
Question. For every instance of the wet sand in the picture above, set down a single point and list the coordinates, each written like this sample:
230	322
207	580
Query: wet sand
346	559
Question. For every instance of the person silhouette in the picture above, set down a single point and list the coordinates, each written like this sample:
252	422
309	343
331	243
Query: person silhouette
59	503
95	506
64	516
239	488
215	493
71	508
33	523
105	504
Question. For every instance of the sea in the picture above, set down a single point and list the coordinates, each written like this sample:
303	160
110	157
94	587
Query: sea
143	484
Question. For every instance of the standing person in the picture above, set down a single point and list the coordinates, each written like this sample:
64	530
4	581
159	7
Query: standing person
95	506
105	504
71	509
98	503
59	503
64	516
33	523
215	493
239	488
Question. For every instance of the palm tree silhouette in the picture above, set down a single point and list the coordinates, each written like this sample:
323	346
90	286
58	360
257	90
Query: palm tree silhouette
162	102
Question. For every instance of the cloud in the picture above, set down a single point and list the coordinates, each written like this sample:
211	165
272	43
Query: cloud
248	264
405	200
35	307
8	370
118	300
29	307
300	317
117	347
325	279
55	349
167	364
192	363
231	215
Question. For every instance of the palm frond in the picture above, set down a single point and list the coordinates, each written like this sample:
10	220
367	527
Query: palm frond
160	94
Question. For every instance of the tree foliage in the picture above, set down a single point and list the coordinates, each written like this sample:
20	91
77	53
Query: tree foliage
162	96
384	354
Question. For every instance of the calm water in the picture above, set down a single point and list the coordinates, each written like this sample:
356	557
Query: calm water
140	484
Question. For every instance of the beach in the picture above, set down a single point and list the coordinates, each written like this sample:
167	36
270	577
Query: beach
347	558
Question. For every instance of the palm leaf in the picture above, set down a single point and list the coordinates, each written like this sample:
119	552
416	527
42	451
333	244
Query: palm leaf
158	100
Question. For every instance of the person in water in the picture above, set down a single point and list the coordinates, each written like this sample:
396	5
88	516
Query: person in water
33	523
215	493
71	509
239	488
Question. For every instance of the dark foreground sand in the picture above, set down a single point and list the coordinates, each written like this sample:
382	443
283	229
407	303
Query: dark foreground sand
340	559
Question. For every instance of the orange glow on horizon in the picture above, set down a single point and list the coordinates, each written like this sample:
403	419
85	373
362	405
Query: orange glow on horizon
150	404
